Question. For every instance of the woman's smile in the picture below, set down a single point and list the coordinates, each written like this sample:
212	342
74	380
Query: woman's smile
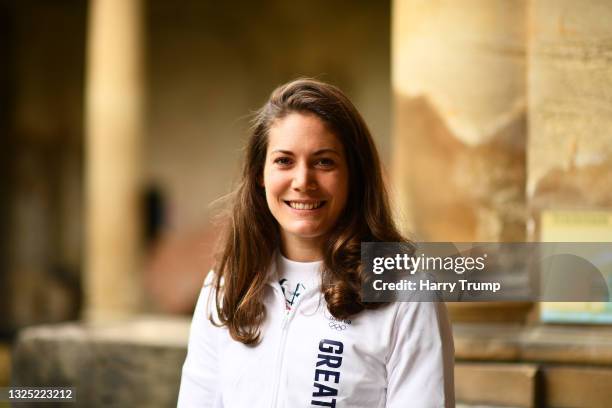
305	205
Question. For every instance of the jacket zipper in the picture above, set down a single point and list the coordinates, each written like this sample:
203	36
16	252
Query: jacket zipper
281	354
284	329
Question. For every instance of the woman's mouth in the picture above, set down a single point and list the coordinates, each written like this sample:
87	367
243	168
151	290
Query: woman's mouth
310	205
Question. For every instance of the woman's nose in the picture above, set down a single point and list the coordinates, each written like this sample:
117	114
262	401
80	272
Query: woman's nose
303	179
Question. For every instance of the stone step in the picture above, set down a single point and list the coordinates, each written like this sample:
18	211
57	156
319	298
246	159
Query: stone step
589	345
533	385
496	384
578	386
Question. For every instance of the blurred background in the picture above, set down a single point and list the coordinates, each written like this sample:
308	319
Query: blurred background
123	123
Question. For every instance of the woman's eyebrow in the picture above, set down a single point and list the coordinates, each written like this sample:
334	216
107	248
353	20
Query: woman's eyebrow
282	151
323	151
317	153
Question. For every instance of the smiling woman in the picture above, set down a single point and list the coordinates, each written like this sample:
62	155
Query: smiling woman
266	322
306	183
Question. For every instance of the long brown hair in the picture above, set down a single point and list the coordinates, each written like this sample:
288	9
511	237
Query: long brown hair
252	234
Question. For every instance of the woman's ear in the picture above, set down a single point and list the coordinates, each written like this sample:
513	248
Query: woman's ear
260	181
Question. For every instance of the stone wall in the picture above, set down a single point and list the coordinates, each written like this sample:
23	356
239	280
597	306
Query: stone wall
132	363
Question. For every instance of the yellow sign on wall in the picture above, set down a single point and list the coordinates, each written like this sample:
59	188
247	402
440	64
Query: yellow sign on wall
577	226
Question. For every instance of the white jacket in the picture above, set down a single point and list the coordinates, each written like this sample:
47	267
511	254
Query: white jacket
400	355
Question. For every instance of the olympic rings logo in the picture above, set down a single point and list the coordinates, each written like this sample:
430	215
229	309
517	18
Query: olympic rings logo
337	326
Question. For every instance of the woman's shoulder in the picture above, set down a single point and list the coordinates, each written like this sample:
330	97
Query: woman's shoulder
428	320
420	310
207	298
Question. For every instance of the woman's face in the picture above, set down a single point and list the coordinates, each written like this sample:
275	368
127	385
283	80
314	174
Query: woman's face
305	178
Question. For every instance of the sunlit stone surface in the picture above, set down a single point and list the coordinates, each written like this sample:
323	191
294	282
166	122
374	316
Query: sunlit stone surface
460	124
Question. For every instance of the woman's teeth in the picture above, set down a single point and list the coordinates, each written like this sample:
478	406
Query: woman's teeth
305	206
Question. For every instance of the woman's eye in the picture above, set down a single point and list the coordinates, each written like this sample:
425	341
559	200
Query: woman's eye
282	161
325	162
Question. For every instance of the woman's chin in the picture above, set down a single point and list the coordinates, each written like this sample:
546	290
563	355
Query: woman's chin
306	232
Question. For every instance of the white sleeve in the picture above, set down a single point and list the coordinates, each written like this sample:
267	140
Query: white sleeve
199	380
421	362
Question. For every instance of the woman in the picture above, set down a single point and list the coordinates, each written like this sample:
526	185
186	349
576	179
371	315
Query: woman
280	322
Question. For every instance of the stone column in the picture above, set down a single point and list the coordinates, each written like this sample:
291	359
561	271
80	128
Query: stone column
460	124
570	107
114	127
459	84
